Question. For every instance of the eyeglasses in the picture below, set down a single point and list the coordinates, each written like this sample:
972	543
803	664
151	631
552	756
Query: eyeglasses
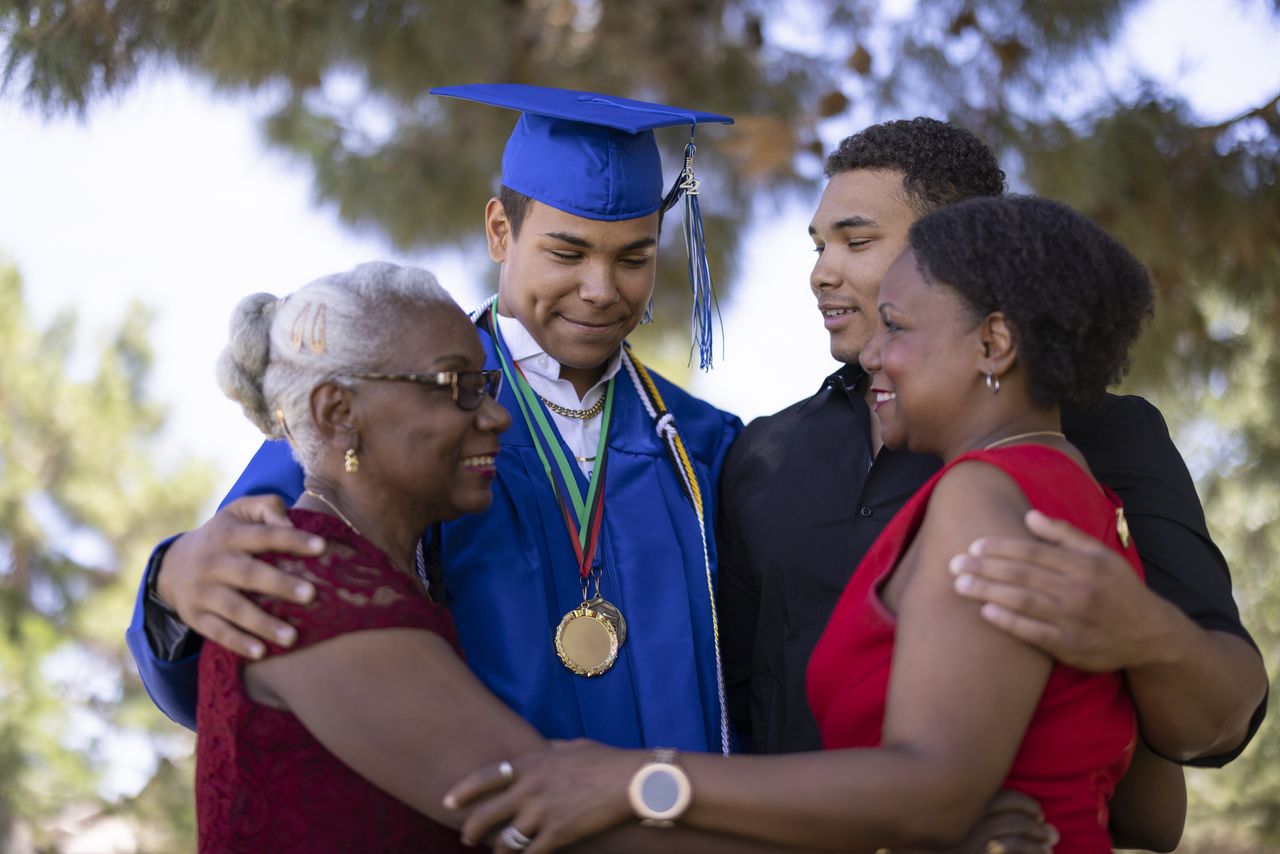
469	387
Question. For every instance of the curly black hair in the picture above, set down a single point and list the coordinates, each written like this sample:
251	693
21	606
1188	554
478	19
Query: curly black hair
1075	298
940	163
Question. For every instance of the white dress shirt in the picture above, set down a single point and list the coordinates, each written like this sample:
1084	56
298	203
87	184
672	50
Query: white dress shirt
543	373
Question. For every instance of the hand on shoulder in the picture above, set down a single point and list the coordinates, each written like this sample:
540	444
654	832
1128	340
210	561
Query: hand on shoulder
206	573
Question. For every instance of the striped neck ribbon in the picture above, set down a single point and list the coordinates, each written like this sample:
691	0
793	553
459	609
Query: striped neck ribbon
582	517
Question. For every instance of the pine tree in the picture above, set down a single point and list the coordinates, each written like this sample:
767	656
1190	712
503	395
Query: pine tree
82	501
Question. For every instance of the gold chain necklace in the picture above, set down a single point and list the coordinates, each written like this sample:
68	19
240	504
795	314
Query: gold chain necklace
580	414
333	507
1007	439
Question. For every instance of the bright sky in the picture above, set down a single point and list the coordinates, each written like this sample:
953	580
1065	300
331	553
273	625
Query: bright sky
169	196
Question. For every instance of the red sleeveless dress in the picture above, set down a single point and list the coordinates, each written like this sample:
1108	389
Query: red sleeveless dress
263	782
1082	735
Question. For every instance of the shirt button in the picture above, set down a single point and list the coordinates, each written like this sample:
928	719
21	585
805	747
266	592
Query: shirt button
866	512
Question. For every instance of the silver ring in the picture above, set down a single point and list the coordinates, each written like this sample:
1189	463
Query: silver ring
513	838
506	773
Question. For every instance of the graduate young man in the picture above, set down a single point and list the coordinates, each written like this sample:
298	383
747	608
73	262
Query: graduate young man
807	490
610	635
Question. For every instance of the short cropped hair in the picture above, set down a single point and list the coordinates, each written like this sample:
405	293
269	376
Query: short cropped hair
1075	298
516	206
941	163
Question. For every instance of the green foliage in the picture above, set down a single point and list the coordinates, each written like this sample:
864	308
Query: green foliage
1239	808
80	498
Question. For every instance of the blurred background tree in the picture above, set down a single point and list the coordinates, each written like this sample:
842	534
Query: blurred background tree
1198	200
80	497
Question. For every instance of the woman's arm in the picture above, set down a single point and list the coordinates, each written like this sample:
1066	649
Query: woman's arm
399	707
946	746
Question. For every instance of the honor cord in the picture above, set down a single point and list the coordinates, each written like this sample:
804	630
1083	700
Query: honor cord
665	426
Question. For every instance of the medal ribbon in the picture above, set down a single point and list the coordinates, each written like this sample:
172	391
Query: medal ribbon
584	531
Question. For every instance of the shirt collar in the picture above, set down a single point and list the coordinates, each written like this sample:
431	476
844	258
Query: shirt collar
528	353
850	379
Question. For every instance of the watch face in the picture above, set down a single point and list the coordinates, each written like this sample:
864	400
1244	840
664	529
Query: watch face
660	791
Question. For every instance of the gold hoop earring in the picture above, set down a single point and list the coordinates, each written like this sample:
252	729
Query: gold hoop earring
993	383
350	461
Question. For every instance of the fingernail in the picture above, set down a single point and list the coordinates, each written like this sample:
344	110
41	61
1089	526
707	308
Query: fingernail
467	842
256	650
286	636
450	802
956	566
316	544
964	583
304	592
976	547
990	612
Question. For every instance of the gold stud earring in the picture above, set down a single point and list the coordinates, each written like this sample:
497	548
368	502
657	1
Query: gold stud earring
351	462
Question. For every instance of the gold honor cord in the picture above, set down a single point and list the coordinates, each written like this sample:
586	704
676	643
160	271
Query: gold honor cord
664	424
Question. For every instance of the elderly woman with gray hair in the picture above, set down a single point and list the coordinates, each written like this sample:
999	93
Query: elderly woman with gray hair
375	378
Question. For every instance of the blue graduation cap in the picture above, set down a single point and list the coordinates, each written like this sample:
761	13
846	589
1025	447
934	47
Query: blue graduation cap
595	156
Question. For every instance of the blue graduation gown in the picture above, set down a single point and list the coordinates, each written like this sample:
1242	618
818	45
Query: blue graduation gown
511	576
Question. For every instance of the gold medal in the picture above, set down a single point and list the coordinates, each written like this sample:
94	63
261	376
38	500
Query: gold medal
589	636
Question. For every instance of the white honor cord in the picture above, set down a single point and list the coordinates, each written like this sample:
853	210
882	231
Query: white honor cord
666	430
484	306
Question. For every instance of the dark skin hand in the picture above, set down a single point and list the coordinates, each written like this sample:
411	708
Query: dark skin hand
206	572
1068	595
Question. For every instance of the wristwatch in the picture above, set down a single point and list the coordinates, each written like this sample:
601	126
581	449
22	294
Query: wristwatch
660	791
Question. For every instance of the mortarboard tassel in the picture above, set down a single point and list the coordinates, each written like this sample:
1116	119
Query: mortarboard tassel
704	295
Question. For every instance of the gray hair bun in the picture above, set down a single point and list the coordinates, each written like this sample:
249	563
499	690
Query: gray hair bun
282	348
243	364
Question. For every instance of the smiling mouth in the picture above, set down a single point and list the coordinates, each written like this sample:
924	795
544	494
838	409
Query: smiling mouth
586	324
836	312
480	461
884	397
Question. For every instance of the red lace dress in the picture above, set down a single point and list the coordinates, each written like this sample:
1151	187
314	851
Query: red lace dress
263	782
1081	737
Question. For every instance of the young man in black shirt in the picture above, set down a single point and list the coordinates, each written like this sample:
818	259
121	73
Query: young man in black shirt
806	491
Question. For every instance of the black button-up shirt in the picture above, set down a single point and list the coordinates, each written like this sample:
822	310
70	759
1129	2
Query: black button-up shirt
802	500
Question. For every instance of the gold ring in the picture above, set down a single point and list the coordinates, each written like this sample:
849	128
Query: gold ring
995	846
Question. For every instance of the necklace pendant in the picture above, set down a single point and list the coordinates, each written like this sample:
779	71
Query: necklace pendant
1122	528
589	637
